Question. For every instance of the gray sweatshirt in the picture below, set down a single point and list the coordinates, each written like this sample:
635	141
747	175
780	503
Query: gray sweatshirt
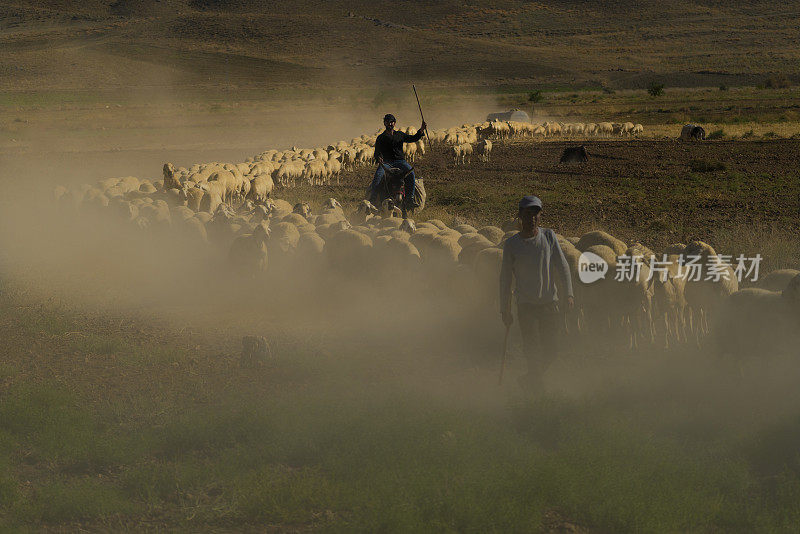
534	262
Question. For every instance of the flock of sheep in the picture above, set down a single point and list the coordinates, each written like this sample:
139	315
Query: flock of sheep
204	187
233	207
663	306
468	139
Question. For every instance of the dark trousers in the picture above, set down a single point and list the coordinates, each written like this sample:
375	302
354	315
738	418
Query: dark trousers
538	324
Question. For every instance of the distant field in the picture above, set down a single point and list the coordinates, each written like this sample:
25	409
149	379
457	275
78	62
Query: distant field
123	43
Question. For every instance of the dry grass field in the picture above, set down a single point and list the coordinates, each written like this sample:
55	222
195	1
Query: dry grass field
124	403
286	44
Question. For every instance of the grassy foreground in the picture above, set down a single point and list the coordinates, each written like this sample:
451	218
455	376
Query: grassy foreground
113	423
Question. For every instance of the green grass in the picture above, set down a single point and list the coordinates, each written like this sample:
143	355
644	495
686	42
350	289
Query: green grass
343	453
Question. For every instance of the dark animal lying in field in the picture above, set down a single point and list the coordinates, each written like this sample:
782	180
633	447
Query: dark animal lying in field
692	132
574	154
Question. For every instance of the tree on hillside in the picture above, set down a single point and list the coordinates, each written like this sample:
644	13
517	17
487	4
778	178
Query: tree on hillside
656	89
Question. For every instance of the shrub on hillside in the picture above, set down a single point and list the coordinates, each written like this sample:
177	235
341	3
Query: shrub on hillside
778	81
656	89
535	96
716	134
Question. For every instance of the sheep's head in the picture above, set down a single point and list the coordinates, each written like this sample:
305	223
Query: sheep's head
260	213
303	209
169	170
269	205
224	211
170	181
390	209
366	208
261	231
341	225
332	203
246	207
408	226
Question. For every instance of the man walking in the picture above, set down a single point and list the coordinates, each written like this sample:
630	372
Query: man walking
534	257
389	150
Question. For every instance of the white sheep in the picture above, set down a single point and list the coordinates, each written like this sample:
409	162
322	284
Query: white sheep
260	188
704	296
777	280
626	129
756	322
364	212
605	129
462	153
349	251
334	168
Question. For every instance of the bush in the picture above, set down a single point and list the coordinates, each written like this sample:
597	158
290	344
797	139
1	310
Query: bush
656	89
701	165
535	96
770	134
723	87
748	134
779	81
716	134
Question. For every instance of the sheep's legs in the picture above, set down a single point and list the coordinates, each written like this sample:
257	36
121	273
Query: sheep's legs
633	345
704	319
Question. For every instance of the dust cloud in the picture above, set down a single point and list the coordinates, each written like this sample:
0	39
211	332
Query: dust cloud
438	333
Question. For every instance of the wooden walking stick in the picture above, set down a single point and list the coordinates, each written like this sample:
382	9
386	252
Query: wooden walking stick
505	350
420	112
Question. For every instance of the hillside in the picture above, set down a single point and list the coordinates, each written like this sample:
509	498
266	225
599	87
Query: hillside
60	44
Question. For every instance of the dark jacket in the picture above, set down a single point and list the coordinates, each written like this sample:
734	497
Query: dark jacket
390	148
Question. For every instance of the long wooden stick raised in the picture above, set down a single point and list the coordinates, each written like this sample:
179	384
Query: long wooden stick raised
420	113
